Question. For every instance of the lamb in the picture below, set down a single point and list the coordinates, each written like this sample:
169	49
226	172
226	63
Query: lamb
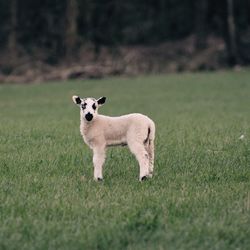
135	130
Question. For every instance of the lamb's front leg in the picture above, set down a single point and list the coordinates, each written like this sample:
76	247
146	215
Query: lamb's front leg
98	161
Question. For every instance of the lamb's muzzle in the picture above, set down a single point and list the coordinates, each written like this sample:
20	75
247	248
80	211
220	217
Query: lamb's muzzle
135	130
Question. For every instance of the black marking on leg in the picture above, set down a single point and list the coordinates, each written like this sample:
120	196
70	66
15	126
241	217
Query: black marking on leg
99	179
144	178
118	144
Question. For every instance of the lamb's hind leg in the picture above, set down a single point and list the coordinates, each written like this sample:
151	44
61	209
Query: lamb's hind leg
150	149
142	157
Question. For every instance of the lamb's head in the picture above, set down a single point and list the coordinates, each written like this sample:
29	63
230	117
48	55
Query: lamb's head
88	107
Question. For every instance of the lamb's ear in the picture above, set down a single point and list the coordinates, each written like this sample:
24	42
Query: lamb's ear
101	100
76	99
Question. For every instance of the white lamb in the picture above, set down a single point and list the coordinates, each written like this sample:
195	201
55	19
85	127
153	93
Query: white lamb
99	132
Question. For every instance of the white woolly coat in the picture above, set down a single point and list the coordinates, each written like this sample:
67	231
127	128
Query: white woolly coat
106	131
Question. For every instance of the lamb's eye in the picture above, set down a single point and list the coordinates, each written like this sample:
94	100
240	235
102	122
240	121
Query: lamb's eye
94	106
84	106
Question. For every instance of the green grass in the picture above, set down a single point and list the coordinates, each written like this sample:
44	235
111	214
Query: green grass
199	197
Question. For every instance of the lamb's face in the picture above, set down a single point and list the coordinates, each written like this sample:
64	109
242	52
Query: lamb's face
88	107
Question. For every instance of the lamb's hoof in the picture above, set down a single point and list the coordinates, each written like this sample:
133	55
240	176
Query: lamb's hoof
98	179
144	178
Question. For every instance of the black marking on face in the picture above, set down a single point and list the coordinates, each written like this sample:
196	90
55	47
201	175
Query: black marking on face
84	105
89	117
94	106
78	100
101	100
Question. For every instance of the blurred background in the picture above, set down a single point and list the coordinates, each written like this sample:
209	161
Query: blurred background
46	40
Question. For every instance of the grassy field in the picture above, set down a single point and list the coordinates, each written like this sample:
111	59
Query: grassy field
199	197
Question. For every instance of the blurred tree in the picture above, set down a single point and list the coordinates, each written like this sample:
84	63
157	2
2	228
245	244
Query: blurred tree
53	29
12	39
231	41
71	33
201	9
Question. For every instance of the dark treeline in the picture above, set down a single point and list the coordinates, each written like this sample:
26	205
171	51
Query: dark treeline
61	27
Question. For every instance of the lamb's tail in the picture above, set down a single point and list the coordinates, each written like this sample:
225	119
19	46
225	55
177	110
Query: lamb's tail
149	146
147	138
151	133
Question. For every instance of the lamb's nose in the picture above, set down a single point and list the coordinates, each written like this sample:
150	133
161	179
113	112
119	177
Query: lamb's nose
89	117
